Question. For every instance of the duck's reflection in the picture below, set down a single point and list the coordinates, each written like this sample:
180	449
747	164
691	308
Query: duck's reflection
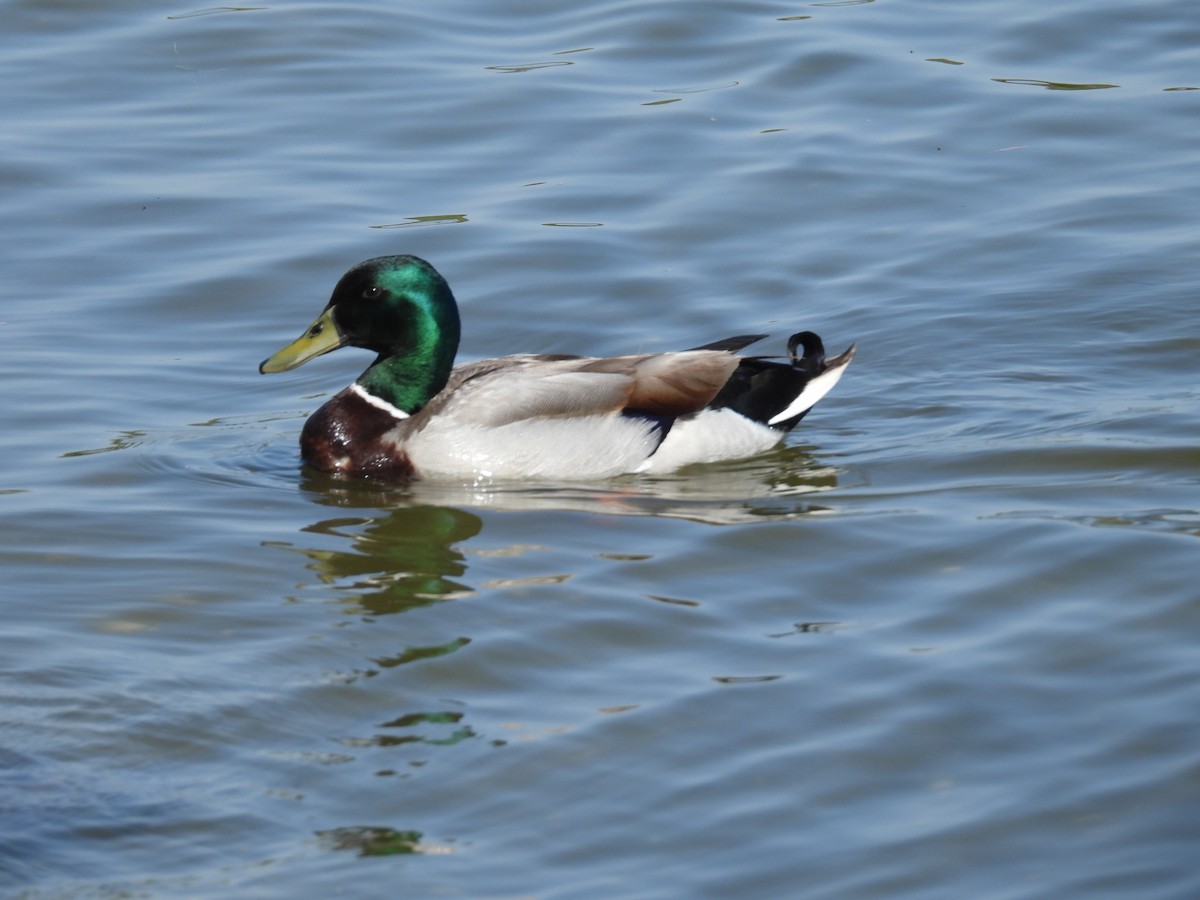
402	542
780	485
397	558
381	550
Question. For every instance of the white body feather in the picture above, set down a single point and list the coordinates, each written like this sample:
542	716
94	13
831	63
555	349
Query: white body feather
598	446
585	446
711	435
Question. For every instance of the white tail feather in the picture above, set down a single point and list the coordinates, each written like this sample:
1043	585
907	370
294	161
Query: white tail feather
811	395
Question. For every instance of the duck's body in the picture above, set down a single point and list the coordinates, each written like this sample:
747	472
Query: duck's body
413	414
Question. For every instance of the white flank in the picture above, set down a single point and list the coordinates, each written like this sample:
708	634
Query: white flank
710	436
812	393
560	448
378	402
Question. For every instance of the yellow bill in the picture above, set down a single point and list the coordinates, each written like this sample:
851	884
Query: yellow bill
320	337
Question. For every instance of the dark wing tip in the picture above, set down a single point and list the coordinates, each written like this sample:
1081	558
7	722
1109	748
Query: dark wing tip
732	344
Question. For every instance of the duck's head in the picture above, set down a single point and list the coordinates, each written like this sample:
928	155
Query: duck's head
398	306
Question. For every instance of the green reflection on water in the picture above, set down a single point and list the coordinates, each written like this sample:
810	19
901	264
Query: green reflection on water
372	841
403	559
529	67
216	10
413	654
411	720
123	441
415	221
1056	85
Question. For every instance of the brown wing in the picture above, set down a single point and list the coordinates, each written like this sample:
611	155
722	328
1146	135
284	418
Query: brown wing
498	392
675	384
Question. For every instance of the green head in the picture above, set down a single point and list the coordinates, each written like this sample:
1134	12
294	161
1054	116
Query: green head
398	306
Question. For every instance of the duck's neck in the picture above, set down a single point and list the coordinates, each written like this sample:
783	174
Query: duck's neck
415	363
408	379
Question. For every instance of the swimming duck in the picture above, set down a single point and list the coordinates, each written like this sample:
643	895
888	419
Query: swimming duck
413	413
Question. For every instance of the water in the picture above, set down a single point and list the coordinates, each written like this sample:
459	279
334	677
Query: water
939	645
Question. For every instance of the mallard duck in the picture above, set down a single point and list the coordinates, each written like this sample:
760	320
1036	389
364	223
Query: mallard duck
413	413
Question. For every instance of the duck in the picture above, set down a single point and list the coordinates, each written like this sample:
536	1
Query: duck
414	414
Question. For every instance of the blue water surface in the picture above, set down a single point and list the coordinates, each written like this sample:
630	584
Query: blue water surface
941	644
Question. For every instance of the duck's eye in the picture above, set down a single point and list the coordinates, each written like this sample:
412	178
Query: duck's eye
374	292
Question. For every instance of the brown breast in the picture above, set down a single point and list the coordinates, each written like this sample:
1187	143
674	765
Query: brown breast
350	436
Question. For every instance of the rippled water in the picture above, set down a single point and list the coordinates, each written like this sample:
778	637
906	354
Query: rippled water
941	644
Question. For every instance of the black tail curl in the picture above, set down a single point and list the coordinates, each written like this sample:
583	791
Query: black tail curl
760	388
